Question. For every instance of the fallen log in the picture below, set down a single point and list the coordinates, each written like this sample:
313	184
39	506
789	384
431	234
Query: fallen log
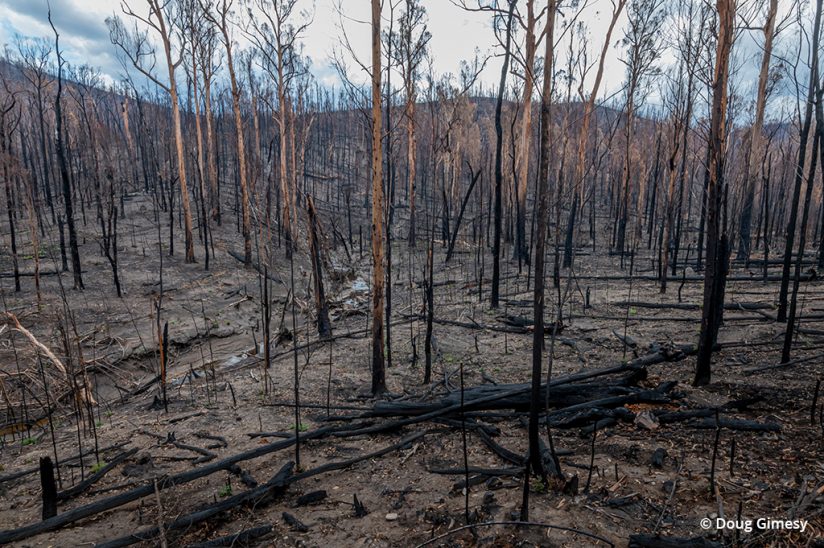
560	396
790	363
28	471
236	539
662	355
273	486
94	478
257	497
115	501
477	470
806	277
691	306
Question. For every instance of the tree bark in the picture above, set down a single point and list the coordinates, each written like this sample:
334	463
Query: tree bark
499	175
378	279
717	245
756	138
535	457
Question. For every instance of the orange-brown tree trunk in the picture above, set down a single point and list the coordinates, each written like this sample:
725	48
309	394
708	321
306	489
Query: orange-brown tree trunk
378	372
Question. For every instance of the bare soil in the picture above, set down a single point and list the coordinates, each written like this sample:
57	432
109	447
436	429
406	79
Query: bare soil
218	386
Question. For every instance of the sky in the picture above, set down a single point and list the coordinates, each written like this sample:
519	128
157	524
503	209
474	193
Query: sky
456	35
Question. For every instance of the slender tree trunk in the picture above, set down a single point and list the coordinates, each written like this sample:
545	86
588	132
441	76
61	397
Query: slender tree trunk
799	171
802	235
181	161
717	245
201	172
535	457
579	188
756	138
411	151
321	306
211	150
521	248
241	148
378	279
64	168
499	175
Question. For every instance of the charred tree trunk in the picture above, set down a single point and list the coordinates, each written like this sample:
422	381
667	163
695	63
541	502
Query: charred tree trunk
321	305
64	168
799	172
378	278
802	235
717	244
535	456
499	173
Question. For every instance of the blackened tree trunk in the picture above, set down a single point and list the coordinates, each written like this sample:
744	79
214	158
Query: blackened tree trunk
378	278
64	168
499	172
5	145
799	172
802	235
321	305
717	245
756	139
430	309
535	457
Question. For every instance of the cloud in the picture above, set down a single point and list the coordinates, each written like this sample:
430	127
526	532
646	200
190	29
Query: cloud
84	37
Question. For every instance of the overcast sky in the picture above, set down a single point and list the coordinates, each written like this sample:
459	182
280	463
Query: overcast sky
456	34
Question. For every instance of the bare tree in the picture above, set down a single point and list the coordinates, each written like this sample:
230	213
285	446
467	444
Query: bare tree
410	49
35	54
64	167
136	46
278	26
530	45
378	279
715	275
220	19
499	176
642	38
816	92
535	457
756	136
579	190
198	39
804	135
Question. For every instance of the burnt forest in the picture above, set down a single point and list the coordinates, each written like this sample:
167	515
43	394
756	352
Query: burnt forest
414	273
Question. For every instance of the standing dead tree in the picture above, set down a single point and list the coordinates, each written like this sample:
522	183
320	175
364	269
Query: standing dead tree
799	169
715	275
64	166
522	160
643	42
817	92
7	125
198	41
410	49
377	231
136	46
499	173
220	19
535	456
321	305
277	27
753	159
578	186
